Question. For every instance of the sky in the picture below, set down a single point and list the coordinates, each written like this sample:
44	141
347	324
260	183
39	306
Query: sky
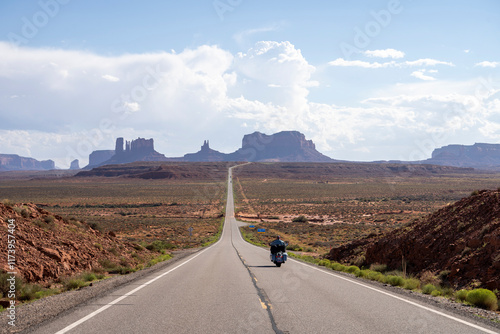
365	80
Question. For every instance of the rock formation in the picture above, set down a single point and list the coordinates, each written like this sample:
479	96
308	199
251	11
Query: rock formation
97	158
478	155
15	162
136	150
205	154
75	164
285	146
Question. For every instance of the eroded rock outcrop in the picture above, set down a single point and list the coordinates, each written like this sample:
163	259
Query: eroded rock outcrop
16	162
478	155
463	238
49	247
75	164
140	149
285	146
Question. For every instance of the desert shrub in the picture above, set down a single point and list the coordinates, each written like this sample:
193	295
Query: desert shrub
443	277
428	288
372	275
158	246
395	280
296	248
158	259
411	284
49	219
359	260
89	277
5	285
100	275
138	247
428	277
39	223
483	298
378	267
436	293
324	263
25	213
447	291
95	226
73	283
461	295
351	269
300	219
114	251
331	265
98	246
395	273
382	279
124	262
338	267
107	264
7	202
29	292
125	270
362	273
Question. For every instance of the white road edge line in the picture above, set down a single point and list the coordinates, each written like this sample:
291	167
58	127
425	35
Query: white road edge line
389	294
96	312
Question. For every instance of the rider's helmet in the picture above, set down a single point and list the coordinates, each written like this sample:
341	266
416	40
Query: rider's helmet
278	237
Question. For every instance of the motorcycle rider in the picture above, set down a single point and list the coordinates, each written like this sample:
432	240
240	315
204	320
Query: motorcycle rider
277	245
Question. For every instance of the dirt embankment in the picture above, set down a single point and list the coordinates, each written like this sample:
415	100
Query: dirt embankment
49	247
463	238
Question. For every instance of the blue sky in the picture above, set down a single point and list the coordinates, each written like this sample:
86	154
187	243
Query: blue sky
366	80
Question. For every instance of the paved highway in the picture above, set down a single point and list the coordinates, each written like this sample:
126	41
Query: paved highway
232	287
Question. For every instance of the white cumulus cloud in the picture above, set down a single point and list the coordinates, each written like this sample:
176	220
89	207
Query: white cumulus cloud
492	64
420	75
386	53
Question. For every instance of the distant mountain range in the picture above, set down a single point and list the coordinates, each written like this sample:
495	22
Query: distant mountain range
476	156
285	146
10	162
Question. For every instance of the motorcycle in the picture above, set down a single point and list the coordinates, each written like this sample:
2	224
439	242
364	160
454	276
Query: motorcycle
278	255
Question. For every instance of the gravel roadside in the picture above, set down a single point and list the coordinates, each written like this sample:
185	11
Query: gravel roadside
29	316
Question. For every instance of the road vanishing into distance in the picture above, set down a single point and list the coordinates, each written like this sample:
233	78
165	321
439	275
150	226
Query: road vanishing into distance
232	287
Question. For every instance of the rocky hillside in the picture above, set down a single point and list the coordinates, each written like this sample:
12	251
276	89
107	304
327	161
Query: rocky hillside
49	247
463	238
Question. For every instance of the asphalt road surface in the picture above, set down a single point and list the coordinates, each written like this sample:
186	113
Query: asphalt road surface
232	287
